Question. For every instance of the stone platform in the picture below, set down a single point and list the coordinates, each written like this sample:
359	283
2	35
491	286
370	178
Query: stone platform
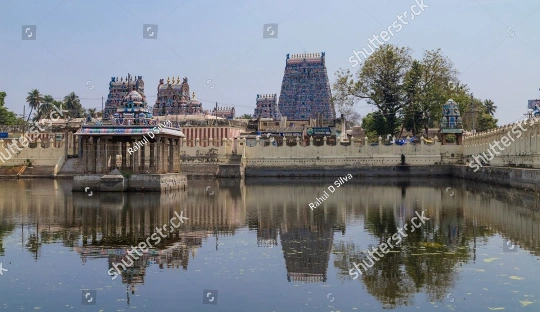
113	182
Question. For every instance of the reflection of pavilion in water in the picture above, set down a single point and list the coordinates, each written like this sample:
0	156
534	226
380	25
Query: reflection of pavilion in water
113	222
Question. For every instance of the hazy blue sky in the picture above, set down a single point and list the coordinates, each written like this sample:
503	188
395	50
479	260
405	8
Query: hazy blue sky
223	40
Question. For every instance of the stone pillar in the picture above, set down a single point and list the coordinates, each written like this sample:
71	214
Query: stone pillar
99	155
101	166
74	143
171	155
164	154
84	141
136	157
80	141
158	155
66	141
152	158
142	164
124	160
94	154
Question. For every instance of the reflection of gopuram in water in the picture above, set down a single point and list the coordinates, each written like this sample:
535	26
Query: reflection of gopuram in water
306	236
104	226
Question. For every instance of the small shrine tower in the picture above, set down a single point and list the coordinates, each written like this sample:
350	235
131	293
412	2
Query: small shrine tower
451	122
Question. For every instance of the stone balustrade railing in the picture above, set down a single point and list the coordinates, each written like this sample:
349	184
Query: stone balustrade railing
516	144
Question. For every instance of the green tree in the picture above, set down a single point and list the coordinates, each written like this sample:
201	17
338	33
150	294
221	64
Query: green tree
380	82
486	122
7	117
374	125
34	100
413	116
92	112
245	116
438	85
490	107
45	109
73	105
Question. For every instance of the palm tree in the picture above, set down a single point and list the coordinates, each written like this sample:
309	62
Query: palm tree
46	108
92	112
34	100
490	107
245	116
73	105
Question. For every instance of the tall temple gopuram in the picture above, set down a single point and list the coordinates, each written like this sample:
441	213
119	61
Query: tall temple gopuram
173	99
305	90
267	107
118	89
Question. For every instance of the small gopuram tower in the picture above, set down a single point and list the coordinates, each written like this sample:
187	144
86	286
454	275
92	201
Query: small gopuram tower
130	151
451	122
267	107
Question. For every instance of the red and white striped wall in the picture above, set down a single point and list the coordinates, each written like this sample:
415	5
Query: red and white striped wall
204	133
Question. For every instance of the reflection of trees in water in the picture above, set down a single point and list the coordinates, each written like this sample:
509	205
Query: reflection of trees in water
5	230
424	262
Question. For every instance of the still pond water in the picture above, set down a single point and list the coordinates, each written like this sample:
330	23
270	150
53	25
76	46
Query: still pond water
257	246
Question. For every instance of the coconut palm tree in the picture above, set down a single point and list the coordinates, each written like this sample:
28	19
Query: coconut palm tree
73	105
245	116
46	108
92	112
34	100
490	107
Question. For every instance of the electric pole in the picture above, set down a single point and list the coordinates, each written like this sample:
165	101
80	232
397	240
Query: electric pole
473	110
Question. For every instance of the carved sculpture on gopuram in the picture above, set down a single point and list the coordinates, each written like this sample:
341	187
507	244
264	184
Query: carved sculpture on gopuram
118	89
305	90
173	98
267	107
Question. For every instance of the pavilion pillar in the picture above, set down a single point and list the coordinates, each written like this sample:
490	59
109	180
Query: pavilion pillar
158	156
124	163
177	155
80	141
135	157
171	155
99	155
84	141
163	165
152	158
94	155
142	163
74	138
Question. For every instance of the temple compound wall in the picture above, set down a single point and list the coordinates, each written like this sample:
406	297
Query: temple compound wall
38	153
518	146
347	155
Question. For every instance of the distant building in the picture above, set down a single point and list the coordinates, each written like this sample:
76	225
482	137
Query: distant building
267	107
173	99
118	89
224	112
305	90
